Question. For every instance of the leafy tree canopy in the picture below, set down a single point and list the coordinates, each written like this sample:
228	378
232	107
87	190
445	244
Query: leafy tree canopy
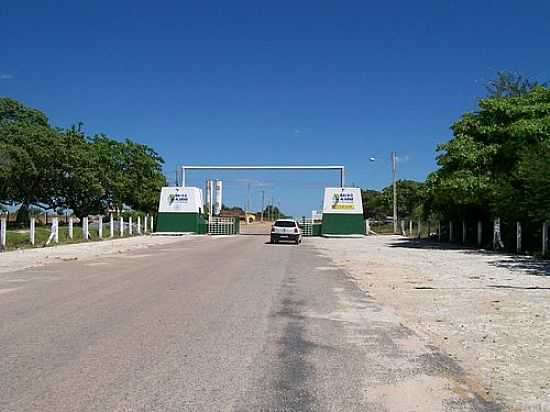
379	204
508	84
54	168
484	170
11	111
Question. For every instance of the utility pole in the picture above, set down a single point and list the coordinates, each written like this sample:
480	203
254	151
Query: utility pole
394	172
247	204
263	202
205	194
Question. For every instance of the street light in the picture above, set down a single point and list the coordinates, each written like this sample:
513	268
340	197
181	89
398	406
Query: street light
393	158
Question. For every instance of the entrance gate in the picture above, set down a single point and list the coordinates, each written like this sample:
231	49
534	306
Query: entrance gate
222	226
180	207
310	227
183	176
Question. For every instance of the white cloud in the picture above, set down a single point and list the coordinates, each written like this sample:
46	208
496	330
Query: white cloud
6	76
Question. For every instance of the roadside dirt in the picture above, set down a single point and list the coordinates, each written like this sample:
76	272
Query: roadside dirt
28	258
489	312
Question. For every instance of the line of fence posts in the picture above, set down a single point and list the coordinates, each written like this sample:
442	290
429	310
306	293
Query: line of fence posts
53	220
497	241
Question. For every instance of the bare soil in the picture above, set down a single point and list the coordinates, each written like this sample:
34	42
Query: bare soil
489	312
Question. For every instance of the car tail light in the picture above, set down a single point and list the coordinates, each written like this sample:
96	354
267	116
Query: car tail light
272	229
295	230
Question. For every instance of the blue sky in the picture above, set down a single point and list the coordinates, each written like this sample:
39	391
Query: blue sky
282	82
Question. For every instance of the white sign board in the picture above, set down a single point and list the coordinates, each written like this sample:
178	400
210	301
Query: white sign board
180	199
345	200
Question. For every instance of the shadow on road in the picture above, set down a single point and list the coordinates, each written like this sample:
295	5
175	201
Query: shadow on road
281	243
531	265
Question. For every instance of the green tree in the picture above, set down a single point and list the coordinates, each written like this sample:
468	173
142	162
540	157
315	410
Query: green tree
410	199
508	84
533	177
11	111
273	212
30	164
131	173
52	168
374	205
483	168
81	180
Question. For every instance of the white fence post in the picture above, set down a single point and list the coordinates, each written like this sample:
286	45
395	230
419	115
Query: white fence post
100	227
152	224
479	233
85	232
450	231
33	230
121	228
56	233
139	225
497	238
3	229
145	219
410	227
71	231
544	238
403	228
111	226
518	237
130	229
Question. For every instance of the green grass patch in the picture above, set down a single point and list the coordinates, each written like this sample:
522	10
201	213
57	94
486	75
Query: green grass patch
20	239
385	229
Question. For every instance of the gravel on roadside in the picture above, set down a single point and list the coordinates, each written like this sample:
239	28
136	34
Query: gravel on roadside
489	311
27	258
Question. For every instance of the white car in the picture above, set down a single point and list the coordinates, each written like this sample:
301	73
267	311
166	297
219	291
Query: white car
286	229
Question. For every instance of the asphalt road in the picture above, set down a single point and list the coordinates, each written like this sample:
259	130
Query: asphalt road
211	324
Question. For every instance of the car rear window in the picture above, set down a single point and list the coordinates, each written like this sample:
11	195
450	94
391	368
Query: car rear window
285	223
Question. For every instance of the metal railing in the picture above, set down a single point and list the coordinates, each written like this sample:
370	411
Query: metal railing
222	226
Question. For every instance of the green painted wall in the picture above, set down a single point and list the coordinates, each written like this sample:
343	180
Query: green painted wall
178	222
317	229
342	224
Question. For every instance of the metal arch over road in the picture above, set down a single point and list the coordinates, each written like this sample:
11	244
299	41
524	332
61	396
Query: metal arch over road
315	167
